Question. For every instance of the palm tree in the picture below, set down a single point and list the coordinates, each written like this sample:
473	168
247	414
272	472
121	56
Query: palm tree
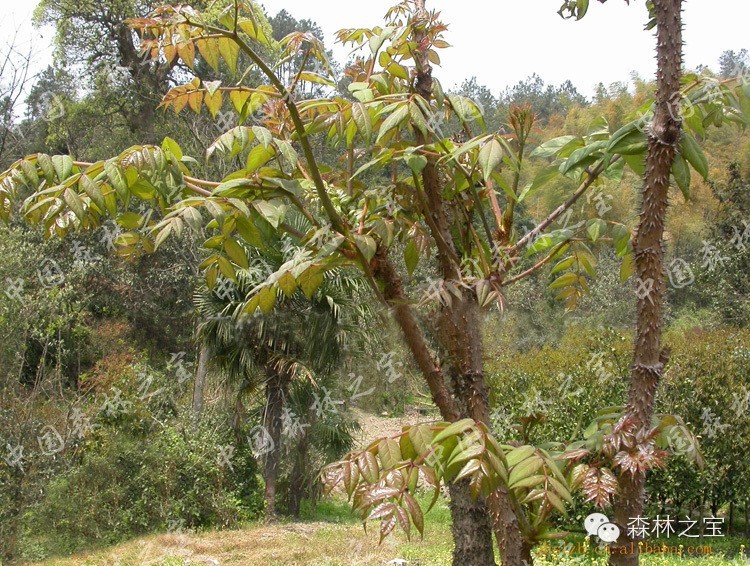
301	339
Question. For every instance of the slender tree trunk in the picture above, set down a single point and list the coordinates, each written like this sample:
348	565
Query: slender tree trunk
649	358
201	374
297	480
730	526
277	389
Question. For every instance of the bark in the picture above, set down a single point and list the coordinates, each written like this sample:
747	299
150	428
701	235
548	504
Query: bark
459	334
277	390
297	480
393	291
471	528
150	82
201	375
649	358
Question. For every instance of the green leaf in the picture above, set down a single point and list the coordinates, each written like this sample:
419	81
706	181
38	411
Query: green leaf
526	482
524	470
389	453
627	268
263	136
93	191
230	52
411	256
272	213
453	429
466	109
421	438
470	467
363	121
130	221
681	172
72	199
621	238
236	253
416	162
267	299
550	148
595	228
63	165
543	177
591	430
691	151
393	121
637	163
162	235
519	455
567	263
417	118
310	281
583	7
226	268
249	232
633	143
366	245
172	147
490	156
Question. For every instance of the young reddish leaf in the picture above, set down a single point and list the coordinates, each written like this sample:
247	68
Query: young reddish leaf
416	512
403	521
368	465
387	525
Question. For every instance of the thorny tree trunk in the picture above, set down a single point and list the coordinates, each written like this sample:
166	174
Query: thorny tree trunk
201	374
277	389
459	334
472	531
649	358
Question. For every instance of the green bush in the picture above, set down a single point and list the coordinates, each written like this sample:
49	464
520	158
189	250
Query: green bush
128	484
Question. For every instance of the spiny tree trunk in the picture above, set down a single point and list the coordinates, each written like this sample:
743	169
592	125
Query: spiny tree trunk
277	390
649	358
472	531
459	335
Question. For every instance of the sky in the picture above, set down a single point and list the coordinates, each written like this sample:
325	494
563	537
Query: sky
608	45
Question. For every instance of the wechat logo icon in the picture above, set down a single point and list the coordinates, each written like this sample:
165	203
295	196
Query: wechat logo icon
599	525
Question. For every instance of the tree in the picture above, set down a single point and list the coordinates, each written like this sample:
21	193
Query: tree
14	70
302	339
452	203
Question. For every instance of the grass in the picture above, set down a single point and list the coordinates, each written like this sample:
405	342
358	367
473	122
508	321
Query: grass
333	536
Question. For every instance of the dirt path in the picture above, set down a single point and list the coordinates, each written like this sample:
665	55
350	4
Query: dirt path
374	426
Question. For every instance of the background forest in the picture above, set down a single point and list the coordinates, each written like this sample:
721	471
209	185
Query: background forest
131	404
